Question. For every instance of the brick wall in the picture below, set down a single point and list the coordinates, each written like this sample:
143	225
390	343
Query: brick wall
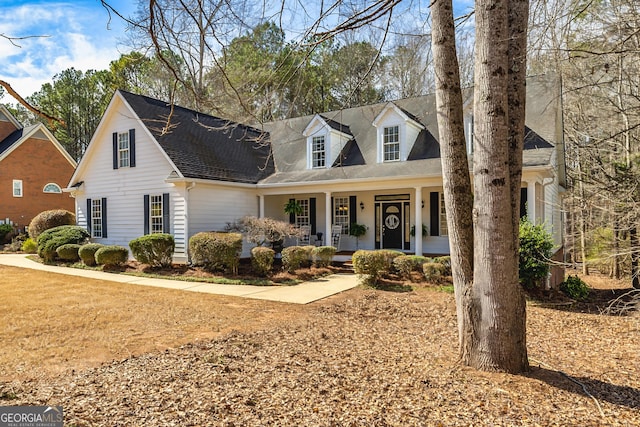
6	129
36	162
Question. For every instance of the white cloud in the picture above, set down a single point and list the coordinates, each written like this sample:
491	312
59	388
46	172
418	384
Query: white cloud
78	37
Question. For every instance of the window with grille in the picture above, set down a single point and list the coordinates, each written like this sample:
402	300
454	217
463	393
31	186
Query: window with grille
123	150
341	213
303	218
318	153
443	217
96	218
17	188
155	213
391	144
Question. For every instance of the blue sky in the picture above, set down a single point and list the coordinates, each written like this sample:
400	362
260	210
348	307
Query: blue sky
79	36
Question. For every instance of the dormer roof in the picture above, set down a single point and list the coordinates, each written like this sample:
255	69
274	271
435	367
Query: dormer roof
406	116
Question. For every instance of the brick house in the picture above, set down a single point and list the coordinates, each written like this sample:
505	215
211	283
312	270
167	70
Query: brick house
34	168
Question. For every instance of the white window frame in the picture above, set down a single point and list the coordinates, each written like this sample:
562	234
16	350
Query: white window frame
96	215
341	213
52	188
318	156
156	214
124	150
442	214
17	188
303	218
391	146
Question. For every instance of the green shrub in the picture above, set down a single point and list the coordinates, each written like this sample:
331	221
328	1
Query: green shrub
5	229
262	259
405	264
575	288
68	252
389	255
112	255
50	219
371	265
155	250
445	261
535	251
294	257
87	253
433	271
216	250
323	255
30	246
309	250
49	240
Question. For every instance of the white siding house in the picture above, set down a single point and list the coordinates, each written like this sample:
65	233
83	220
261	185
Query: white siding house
376	165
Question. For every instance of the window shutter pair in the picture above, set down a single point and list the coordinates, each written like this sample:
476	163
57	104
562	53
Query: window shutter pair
104	217
166	217
132	149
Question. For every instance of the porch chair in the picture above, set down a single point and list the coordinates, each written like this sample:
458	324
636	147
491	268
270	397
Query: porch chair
304	238
336	234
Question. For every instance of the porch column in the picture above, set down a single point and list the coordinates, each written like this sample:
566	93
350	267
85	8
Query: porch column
327	218
531	201
261	206
418	216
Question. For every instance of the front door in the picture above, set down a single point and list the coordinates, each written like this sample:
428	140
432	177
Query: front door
392	225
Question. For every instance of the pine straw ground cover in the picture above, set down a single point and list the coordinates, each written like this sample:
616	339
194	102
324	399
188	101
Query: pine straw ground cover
366	357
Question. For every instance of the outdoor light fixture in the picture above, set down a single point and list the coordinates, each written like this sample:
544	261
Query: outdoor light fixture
361	206
423	204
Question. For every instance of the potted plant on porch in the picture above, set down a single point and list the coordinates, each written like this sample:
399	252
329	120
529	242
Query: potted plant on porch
357	230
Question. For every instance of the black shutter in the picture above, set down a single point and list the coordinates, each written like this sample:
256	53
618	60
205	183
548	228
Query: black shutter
523	202
312	214
434	207
104	217
146	214
115	150
166	225
353	213
132	148
292	216
88	215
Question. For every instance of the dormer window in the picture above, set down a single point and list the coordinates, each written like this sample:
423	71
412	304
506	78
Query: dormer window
397	131
318	152
391	144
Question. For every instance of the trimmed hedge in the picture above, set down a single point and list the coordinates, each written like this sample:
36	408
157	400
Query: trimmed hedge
112	255
406	264
370	264
262	259
323	255
155	250
294	257
445	261
68	252
216	250
433	271
52	239
29	246
50	219
87	253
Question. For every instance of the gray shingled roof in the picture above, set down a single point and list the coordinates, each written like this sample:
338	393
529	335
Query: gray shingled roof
204	146
358	159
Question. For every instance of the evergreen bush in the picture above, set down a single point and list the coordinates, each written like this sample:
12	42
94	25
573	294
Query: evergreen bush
575	288
216	250
50	219
112	255
29	246
433	271
87	253
262	260
68	252
155	250
406	264
445	261
535	251
294	257
5	230
49	240
323	255
371	265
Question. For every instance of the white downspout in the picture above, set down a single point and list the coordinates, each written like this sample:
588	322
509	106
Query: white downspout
186	219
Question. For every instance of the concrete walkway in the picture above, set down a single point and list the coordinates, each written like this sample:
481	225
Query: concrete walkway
303	293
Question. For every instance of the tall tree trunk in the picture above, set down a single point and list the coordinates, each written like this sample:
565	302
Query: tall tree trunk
499	340
635	256
458	196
